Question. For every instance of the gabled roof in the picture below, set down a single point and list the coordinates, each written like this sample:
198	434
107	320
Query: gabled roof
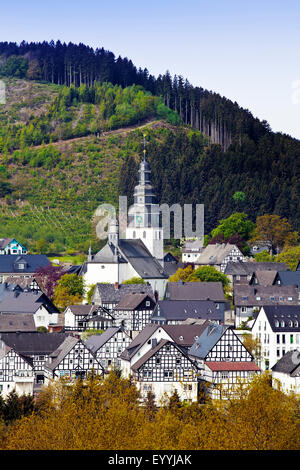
26	302
288	278
208	339
286	313
35	343
4	242
289	363
81	309
95	342
63	349
149	354
13	323
264	278
138	341
215	254
132	301
245	268
185	335
138	255
195	291
191	246
167	310
8	263
248	295
110	293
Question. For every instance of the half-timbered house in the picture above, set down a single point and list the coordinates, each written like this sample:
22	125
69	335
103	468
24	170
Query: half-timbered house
218	255
71	360
36	347
16	371
109	295
164	369
134	311
222	359
108	346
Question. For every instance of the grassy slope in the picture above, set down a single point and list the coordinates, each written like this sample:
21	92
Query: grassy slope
58	204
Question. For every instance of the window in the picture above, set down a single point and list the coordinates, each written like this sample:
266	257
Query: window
224	375
290	298
258	298
147	303
277	324
282	324
168	373
278	339
283	339
291	339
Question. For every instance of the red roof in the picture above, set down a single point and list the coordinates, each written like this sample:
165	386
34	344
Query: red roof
223	365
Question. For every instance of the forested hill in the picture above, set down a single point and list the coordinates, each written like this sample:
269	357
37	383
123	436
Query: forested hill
71	64
56	164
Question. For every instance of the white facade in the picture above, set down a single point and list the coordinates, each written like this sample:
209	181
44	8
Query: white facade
15	373
274	344
288	383
43	318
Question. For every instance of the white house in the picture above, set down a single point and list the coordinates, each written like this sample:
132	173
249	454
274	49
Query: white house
108	346
71	360
278	329
10	246
222	359
191	250
219	255
287	372
16	372
157	359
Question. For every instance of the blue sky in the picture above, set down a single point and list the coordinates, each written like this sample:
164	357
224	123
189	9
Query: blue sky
248	51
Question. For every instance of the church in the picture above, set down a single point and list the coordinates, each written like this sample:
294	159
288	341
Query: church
141	252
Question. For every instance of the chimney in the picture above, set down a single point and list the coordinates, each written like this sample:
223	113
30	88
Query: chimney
116	285
153	343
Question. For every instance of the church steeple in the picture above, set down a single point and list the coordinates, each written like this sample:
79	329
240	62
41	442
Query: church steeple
144	214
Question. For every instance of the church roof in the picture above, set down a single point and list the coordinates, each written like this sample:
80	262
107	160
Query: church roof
141	259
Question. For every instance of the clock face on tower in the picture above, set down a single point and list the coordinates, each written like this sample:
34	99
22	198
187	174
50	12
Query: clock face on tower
139	219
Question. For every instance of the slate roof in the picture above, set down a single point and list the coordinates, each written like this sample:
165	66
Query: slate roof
133	251
6	288
141	259
26	302
185	335
95	342
110	294
34	343
33	262
168	310
81	309
288	278
265	278
286	313
13	323
210	336
244	268
63	349
215	254
138	341
132	301
289	363
149	354
195	291
246	295
233	365
23	282
4	242
193	246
